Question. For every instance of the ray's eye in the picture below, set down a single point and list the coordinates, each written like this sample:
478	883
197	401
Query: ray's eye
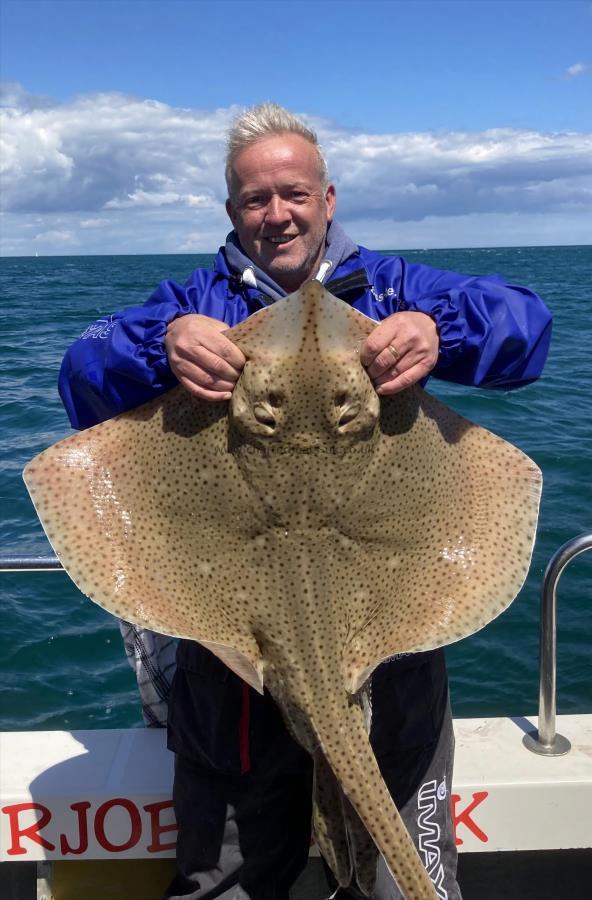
264	415
349	415
347	407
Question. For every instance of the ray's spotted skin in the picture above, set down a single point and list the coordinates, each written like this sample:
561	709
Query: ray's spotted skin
303	532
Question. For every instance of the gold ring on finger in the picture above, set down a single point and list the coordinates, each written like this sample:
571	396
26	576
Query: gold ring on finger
395	353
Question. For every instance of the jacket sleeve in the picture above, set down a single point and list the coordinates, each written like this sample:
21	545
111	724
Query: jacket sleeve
492	334
120	361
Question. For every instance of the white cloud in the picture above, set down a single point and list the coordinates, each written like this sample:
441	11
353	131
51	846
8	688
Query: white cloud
412	176
94	223
109	151
160	198
56	236
576	69
122	174
14	96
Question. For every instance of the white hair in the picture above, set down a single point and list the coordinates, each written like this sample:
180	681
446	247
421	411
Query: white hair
266	120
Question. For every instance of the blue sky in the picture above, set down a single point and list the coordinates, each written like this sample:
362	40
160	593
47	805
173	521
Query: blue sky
495	97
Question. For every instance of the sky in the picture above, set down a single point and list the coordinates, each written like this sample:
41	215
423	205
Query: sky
446	123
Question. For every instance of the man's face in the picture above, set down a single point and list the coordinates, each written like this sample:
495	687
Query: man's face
279	208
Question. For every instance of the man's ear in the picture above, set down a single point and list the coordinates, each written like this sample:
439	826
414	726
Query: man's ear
230	211
330	200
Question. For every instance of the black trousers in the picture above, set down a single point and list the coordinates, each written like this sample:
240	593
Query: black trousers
243	787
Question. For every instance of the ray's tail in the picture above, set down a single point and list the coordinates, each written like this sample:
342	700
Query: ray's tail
347	751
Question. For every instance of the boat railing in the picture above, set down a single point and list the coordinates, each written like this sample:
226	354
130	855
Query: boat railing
30	564
545	740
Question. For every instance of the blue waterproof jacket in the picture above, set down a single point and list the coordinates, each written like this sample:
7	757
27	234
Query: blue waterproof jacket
492	334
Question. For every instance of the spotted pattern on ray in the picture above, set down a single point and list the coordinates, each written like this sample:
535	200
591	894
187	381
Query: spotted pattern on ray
303	532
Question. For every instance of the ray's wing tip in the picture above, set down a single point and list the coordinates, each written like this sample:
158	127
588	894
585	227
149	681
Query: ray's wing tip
30	470
29	476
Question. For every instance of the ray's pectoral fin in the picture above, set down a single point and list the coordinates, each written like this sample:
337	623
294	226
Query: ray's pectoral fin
446	541
147	514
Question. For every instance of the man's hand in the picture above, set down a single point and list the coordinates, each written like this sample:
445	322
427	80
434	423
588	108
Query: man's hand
400	351
205	362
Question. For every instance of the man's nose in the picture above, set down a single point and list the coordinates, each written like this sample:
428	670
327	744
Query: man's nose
277	211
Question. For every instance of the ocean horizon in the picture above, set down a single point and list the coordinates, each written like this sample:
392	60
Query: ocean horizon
387	251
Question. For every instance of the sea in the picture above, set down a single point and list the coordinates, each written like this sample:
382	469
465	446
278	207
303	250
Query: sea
62	664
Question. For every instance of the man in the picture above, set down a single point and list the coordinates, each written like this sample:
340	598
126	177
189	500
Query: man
242	786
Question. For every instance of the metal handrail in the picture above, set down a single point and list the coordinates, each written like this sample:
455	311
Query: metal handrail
30	564
545	740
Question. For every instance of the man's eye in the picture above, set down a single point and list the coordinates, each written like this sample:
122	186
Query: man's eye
253	202
299	195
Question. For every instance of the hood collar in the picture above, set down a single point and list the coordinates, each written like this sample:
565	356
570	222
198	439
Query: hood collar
339	247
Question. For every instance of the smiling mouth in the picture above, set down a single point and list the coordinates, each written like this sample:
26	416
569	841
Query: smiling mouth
279	239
